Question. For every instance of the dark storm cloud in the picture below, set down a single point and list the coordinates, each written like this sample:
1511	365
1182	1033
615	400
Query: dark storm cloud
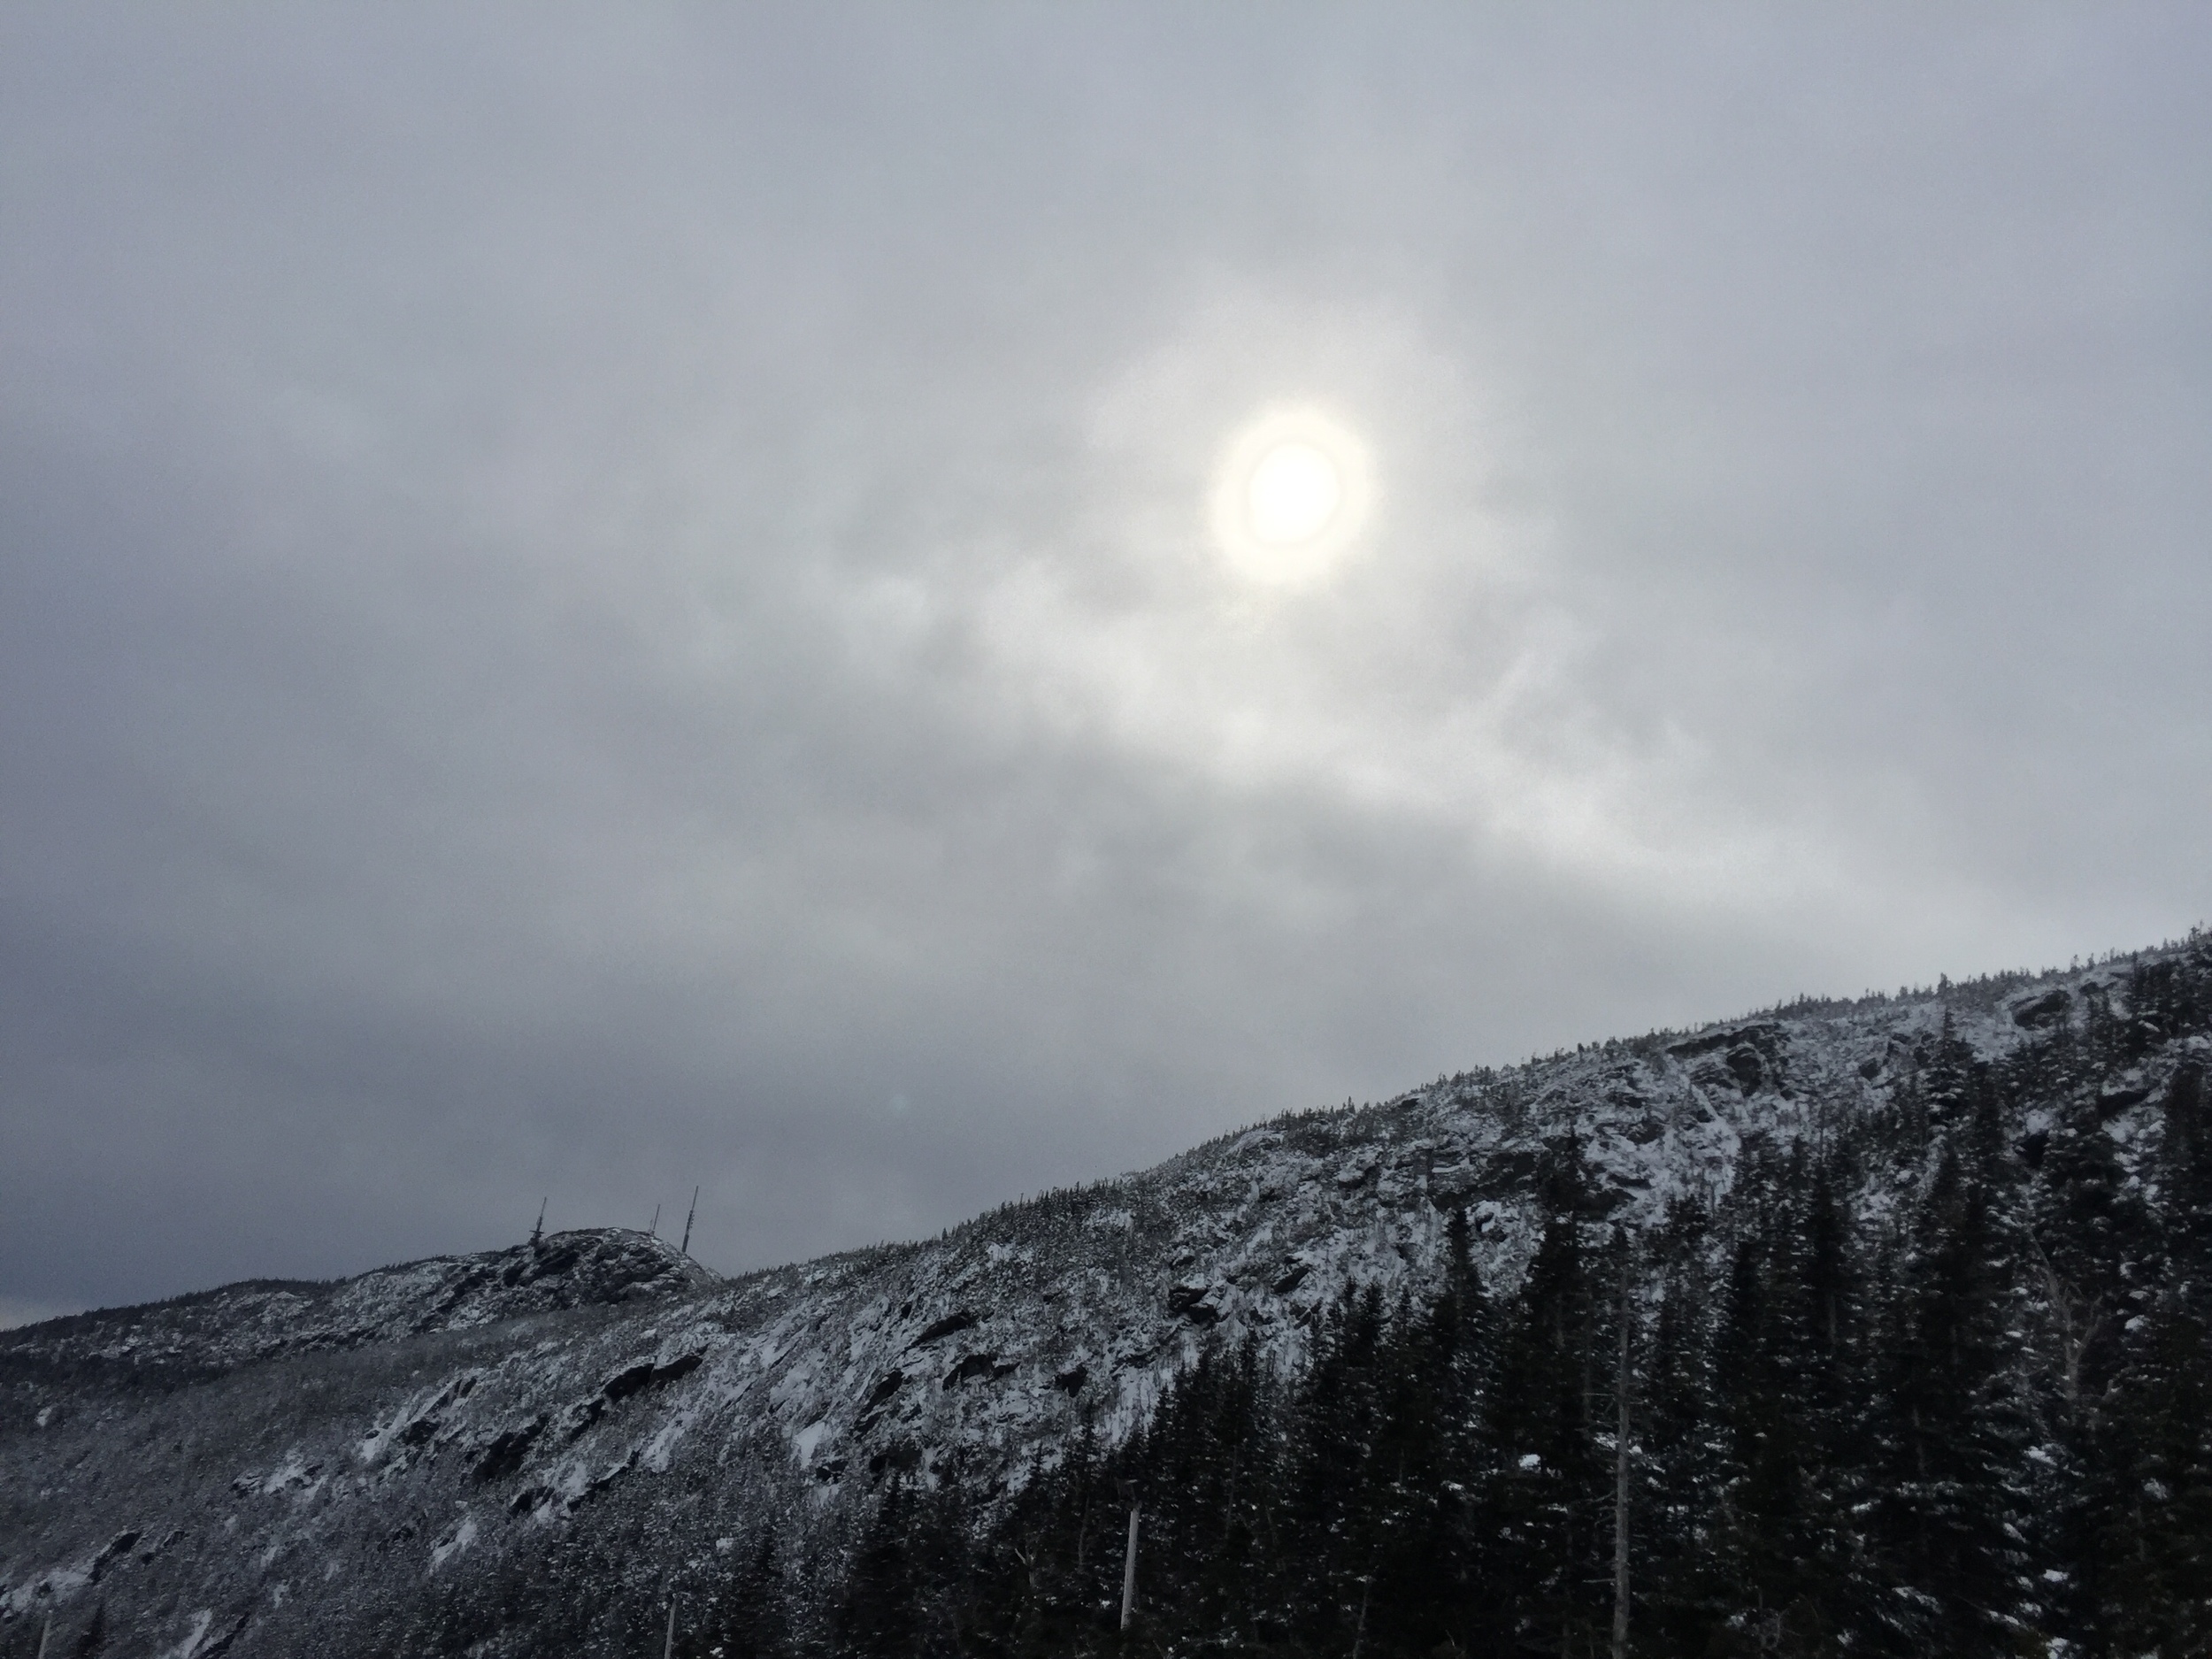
595	602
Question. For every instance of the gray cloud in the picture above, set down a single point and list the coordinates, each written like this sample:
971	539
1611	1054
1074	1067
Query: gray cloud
600	601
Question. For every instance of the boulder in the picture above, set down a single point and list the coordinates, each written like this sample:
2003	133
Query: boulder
1747	1067
1198	1300
1453	1185
2115	1098
2048	1008
951	1324
974	1367
1760	1034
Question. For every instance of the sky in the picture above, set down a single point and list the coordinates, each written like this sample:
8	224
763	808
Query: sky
600	600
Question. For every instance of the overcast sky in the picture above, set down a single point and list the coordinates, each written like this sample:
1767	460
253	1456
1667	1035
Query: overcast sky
595	601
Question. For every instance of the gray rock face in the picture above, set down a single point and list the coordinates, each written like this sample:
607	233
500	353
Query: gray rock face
1747	1067
298	1468
2049	1008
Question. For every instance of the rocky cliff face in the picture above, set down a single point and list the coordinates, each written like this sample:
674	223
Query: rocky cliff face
277	1469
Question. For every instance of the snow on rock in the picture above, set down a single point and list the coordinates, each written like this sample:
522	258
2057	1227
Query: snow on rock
348	1439
261	1319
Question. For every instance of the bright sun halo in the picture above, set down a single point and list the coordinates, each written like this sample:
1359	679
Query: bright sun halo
1291	494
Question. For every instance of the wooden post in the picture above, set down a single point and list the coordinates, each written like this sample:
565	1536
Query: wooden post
538	1232
654	1231
47	1634
1129	1571
668	1643
688	1219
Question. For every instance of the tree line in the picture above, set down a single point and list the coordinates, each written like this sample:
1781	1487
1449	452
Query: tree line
1938	1382
1942	1385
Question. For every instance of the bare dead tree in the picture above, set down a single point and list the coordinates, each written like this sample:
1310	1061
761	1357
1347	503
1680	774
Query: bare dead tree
2080	1320
1129	1571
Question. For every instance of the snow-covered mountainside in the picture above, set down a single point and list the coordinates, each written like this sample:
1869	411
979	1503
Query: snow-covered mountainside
221	1329
283	1469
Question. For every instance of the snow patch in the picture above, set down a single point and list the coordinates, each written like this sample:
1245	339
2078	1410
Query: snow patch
197	1636
454	1542
806	1440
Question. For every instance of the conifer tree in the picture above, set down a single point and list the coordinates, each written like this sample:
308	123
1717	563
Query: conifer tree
2157	1579
1545	1485
1335	1433
880	1612
751	1618
1679	1475
1946	1514
2185	1187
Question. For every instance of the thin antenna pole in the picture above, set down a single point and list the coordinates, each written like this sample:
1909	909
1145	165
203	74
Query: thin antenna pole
1129	1571
654	1231
668	1643
47	1635
538	1232
688	1219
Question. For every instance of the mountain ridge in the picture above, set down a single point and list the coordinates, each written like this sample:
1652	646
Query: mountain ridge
285	1462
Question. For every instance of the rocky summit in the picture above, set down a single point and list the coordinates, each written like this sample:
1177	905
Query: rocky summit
583	1443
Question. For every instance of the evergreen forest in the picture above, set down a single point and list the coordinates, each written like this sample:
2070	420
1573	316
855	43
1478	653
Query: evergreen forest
1938	1385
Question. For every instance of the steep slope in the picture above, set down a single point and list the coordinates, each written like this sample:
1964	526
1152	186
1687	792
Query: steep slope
279	1469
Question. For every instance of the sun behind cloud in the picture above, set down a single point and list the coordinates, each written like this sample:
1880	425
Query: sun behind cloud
1292	494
